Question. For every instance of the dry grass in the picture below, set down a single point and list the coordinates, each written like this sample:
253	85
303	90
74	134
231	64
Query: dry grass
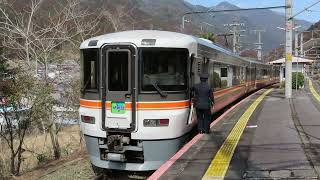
38	148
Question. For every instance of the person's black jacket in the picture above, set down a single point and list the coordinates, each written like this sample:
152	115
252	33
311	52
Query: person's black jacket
202	96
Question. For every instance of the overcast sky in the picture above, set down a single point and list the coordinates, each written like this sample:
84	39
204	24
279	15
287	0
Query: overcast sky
313	16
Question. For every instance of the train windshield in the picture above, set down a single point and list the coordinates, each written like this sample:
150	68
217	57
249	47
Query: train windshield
89	70
164	69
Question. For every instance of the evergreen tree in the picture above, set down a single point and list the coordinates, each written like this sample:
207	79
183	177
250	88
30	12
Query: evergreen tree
209	35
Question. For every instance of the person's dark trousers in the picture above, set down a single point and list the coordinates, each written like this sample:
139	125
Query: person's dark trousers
203	116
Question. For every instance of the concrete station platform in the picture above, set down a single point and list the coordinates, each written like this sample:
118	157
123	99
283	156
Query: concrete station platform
265	136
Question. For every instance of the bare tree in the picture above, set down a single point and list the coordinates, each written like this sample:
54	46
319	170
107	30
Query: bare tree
34	36
18	29
118	16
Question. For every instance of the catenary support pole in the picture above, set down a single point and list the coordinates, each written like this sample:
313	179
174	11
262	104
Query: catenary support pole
289	26
234	39
259	47
296	54
259	44
301	44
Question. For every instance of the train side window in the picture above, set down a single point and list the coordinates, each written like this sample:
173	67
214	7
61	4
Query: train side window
224	72
205	65
253	73
219	76
258	74
268	73
263	73
247	74
236	75
214	77
242	75
89	70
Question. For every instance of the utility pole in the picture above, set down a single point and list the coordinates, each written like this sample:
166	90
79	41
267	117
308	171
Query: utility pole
225	38
183	21
296	39
235	33
296	54
289	26
234	41
259	44
301	45
289	18
296	48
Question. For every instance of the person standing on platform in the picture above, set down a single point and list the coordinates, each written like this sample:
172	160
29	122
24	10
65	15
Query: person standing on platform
203	102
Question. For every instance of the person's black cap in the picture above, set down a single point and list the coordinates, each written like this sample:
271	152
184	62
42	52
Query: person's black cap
204	76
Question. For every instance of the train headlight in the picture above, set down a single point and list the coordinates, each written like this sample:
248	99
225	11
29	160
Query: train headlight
150	122
155	122
88	119
148	42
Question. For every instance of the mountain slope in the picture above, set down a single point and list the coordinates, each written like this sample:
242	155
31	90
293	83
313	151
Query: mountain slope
172	10
167	15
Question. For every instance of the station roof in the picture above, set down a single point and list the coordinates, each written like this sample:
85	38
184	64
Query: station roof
294	60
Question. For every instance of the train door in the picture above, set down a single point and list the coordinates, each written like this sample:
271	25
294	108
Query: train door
247	79
191	84
254	76
119	97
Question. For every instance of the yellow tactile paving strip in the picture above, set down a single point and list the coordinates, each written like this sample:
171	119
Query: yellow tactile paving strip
313	91
219	165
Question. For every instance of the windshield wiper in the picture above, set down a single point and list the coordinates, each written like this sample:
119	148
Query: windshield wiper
162	94
85	87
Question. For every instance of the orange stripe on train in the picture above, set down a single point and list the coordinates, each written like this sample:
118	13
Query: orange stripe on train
140	105
90	103
163	105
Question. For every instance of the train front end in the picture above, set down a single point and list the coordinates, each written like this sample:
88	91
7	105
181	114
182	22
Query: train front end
135	99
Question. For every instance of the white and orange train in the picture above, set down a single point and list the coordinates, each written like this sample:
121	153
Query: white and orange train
135	98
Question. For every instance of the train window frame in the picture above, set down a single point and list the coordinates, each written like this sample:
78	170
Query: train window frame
225	68
85	90
223	81
127	70
141	70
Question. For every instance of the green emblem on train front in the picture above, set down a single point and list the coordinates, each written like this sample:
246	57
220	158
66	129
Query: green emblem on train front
118	107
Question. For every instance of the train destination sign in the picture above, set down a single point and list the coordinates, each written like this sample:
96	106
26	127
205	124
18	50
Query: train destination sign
118	107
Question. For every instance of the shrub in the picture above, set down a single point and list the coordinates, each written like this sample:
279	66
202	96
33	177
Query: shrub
210	36
282	84
65	151
216	81
4	170
224	83
42	159
1	169
297	78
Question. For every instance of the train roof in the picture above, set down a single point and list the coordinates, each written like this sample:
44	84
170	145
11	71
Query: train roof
225	51
164	39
